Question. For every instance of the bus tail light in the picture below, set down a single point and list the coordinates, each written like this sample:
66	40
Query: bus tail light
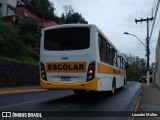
43	72
91	71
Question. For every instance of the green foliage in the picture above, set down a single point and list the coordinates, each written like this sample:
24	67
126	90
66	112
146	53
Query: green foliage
75	18
10	42
28	55
137	67
44	8
19	44
69	16
0	13
12	46
29	30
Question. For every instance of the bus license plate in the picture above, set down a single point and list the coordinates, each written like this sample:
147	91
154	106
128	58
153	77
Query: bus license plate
65	78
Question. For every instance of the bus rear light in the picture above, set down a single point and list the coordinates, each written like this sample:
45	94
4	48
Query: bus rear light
91	71
43	72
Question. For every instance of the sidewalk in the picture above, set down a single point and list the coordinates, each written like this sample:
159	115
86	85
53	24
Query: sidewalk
20	87
150	101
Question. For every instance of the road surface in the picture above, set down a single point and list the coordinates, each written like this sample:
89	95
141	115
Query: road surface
60	103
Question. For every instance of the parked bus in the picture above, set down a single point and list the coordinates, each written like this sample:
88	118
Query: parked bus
81	58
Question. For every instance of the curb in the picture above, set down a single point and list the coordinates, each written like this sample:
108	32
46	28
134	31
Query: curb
137	105
134	104
20	90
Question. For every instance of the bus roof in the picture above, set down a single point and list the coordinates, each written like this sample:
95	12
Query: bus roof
67	25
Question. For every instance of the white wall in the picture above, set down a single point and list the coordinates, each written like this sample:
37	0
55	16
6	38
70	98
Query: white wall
4	7
7	11
13	3
157	62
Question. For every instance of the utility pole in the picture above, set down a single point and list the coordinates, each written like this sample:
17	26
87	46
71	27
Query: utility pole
147	41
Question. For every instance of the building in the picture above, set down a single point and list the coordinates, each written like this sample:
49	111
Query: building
8	8
157	62
14	10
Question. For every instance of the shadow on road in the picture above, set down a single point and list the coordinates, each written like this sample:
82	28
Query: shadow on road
90	101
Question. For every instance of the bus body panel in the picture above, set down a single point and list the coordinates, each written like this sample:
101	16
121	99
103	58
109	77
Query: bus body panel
79	57
55	61
68	69
106	74
91	85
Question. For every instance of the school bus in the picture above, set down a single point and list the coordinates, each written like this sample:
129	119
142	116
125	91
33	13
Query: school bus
81	58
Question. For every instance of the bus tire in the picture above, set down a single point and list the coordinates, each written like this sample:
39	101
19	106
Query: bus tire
79	92
113	91
125	82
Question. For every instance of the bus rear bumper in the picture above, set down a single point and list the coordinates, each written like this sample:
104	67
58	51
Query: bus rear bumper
91	85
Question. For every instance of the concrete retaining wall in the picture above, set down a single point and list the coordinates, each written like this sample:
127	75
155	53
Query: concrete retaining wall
17	74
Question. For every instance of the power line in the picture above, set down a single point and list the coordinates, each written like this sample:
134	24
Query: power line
153	6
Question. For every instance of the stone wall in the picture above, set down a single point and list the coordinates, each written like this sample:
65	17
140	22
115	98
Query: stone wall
17	74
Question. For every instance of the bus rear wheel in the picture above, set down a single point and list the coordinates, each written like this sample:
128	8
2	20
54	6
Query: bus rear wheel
113	91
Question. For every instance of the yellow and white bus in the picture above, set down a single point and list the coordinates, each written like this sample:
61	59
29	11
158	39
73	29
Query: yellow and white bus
81	58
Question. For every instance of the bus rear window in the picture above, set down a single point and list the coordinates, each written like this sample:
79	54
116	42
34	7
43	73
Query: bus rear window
73	38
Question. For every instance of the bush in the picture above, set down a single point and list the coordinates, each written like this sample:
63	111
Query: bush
10	42
28	29
13	47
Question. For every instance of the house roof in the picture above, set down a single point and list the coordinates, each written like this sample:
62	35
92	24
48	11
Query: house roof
24	11
46	23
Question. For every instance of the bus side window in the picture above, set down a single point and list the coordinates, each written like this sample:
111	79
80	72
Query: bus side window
107	52
122	63
115	58
111	55
100	42
102	48
119	62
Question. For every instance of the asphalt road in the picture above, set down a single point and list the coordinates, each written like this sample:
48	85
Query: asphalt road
61	102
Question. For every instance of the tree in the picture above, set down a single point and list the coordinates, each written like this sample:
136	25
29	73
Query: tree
69	16
10	43
28	29
44	8
137	67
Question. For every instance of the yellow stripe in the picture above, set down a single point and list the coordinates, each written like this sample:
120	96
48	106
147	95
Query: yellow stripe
106	69
136	107
91	85
20	91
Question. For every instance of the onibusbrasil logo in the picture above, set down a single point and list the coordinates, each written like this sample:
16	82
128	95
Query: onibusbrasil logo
21	114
